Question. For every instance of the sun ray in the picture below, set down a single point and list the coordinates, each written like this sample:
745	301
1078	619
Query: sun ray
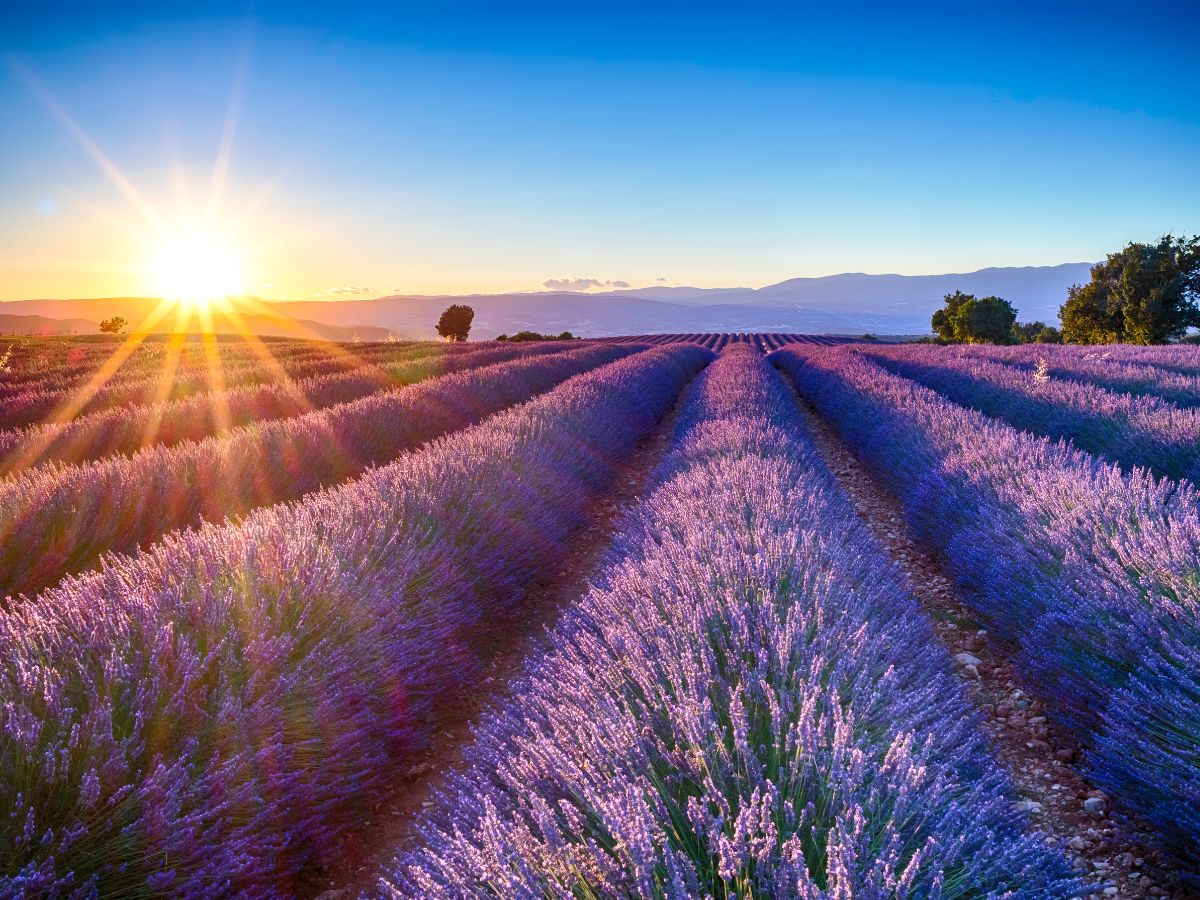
214	368
106	165
162	391
259	347
71	407
216	190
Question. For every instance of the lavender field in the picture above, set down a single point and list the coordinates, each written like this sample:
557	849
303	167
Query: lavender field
691	615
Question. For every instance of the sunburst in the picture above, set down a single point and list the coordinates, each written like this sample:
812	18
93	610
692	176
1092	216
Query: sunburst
195	267
198	266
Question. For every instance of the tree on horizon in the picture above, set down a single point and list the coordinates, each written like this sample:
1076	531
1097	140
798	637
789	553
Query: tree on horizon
455	323
113	325
975	320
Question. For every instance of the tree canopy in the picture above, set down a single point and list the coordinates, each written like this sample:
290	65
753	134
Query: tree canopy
455	323
1036	333
113	325
1145	294
975	320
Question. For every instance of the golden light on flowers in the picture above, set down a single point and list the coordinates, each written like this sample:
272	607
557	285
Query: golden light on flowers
195	267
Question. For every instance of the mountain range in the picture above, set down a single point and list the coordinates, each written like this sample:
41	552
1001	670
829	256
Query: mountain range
850	303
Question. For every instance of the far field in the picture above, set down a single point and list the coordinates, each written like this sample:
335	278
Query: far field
720	615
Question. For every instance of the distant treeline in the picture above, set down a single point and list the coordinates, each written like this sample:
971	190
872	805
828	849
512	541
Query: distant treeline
535	336
1143	294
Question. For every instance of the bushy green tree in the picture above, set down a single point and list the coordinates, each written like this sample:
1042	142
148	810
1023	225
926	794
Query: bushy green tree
455	323
1036	333
966	318
1145	294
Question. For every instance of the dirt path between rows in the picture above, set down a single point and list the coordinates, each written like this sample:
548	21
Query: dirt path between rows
505	644
1116	856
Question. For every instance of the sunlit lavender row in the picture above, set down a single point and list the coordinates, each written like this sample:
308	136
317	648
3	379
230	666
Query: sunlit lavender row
1089	571
59	520
69	363
746	703
128	429
241	692
166	374
63	364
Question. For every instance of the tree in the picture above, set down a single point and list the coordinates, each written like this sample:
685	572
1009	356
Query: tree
1036	333
1145	294
455	323
113	325
944	319
973	320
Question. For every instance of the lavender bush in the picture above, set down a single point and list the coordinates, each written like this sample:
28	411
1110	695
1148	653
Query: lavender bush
205	719
1089	571
746	703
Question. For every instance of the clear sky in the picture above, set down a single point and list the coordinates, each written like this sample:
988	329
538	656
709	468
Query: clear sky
457	147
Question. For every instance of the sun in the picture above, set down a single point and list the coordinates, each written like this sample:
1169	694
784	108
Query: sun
195	267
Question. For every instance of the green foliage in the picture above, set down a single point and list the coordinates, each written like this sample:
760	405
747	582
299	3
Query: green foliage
975	320
1036	333
1145	294
113	325
535	336
455	323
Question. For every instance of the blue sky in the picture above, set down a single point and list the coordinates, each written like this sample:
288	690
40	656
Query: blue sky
479	148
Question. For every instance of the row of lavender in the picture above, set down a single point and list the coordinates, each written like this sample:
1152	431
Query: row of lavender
154	373
1070	401
61	361
1173	376
1088	570
135	360
56	520
128	429
747	703
160	378
717	341
206	718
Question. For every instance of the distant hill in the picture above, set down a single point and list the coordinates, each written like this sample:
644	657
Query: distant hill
83	317
850	303
11	325
1036	291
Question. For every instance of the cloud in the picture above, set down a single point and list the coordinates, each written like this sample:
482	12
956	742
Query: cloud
578	283
349	290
